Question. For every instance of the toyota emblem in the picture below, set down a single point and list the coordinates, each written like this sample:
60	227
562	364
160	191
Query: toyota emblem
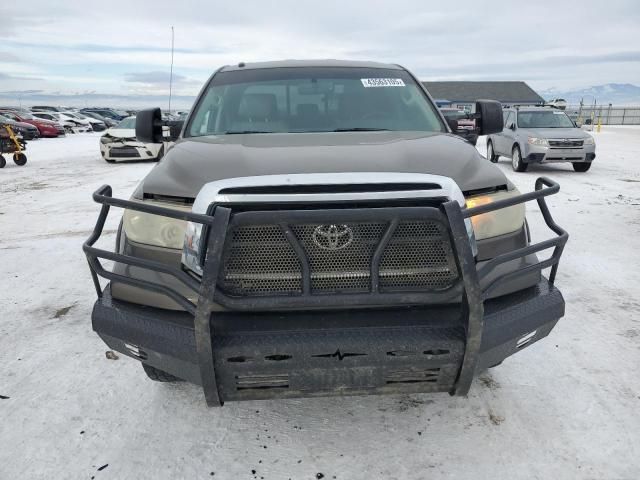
332	237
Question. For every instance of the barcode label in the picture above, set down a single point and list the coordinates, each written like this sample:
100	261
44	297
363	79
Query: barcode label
382	82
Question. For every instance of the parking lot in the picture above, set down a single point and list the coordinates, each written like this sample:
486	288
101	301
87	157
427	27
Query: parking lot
565	408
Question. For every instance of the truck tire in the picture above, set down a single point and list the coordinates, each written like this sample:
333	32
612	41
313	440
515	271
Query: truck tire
516	160
581	166
491	154
3	162
158	375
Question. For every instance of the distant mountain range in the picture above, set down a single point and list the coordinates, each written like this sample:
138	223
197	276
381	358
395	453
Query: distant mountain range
615	93
35	97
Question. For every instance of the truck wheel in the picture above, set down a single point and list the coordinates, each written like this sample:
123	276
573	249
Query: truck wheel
516	160
581	166
158	375
3	162
491	154
20	159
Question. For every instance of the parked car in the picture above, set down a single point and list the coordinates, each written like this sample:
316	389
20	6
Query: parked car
77	125
107	112
307	235
559	103
465	126
92	123
68	125
119	144
109	122
15	109
46	128
45	108
25	130
541	135
80	120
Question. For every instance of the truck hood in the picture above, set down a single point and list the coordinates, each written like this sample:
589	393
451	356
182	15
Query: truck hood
195	161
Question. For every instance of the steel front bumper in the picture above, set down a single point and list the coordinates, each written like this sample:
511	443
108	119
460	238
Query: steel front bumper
308	344
271	355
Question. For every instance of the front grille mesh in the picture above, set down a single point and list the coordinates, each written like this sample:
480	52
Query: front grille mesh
417	255
566	143
259	260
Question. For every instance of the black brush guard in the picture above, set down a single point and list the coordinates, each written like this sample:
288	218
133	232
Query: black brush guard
221	218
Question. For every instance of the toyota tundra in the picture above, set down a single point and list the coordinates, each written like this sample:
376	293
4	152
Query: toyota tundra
319	229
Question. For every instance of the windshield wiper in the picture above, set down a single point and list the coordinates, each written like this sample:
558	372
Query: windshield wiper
361	129
241	132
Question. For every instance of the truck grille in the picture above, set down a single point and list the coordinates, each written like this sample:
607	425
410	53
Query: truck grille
259	260
566	143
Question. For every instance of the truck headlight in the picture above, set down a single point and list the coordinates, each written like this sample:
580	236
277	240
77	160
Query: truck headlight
540	142
498	222
155	230
589	141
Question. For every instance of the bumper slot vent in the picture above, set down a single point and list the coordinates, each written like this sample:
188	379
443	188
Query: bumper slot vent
401	353
430	375
436	352
239	359
278	357
262	382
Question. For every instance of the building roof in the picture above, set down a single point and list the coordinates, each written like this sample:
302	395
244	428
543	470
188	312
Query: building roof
505	92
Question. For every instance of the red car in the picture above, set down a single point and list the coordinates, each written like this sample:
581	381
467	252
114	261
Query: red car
47	128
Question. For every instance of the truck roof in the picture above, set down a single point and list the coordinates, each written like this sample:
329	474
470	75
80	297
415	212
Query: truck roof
309	63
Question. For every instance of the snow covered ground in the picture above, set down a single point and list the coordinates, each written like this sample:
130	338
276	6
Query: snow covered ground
566	408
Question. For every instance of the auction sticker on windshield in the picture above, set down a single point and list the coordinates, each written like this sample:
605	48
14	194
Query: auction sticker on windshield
382	82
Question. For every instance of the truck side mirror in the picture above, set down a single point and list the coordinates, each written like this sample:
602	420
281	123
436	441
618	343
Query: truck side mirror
453	124
489	117
149	126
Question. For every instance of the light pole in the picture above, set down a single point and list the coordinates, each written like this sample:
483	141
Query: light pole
171	71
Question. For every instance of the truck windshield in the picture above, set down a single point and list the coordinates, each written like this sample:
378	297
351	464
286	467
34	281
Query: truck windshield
545	119
312	99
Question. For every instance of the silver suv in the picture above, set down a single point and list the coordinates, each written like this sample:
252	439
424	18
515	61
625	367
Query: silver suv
541	135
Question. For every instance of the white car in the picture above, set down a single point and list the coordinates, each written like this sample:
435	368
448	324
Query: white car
69	122
96	125
69	125
119	144
559	103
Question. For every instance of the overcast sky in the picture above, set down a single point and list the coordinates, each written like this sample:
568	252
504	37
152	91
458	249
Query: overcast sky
123	47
